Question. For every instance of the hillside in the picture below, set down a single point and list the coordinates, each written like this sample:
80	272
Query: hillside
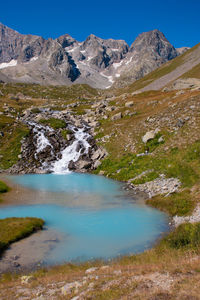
182	67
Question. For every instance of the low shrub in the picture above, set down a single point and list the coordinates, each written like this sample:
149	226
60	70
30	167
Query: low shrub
3	187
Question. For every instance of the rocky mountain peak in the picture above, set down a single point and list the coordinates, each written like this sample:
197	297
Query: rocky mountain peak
66	40
156	41
10	43
95	61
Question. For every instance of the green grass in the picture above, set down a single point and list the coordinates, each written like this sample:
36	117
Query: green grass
14	229
151	145
54	123
146	177
10	143
177	163
5	122
99	135
3	188
186	236
180	204
65	132
80	91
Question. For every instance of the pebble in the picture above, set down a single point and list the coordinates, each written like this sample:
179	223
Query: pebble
91	270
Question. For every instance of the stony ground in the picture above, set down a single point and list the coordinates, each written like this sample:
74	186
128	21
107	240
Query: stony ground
118	281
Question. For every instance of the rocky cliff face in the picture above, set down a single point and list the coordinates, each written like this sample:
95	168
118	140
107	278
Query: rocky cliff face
97	62
149	51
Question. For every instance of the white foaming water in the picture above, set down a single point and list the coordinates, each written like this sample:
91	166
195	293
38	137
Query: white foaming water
42	141
70	153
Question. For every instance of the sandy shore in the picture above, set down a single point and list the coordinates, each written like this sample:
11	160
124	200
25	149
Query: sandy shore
28	254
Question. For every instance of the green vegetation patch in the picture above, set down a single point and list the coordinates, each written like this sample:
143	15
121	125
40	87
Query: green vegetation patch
65	132
183	164
35	110
5	122
185	236
99	135
54	123
180	204
10	142
152	144
81	91
14	229
3	187
146	177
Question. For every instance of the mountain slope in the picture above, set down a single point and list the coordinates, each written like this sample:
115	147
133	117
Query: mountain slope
149	51
182	67
97	62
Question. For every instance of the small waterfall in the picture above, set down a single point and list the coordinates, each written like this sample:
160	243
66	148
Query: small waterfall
72	153
41	141
51	159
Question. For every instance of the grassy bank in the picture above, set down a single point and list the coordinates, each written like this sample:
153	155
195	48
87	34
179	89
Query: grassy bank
14	229
10	140
3	188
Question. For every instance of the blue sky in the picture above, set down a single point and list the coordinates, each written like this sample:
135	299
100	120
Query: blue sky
178	19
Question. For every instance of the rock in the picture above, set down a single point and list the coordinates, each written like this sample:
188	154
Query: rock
98	154
165	89
71	165
161	139
91	270
180	92
16	257
127	112
79	146
185	83
161	185
16	264
97	164
20	96
69	137
180	123
69	287
27	279
101	172
94	124
105	268
110	108
148	136
129	104
117	116
83	164
117	272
